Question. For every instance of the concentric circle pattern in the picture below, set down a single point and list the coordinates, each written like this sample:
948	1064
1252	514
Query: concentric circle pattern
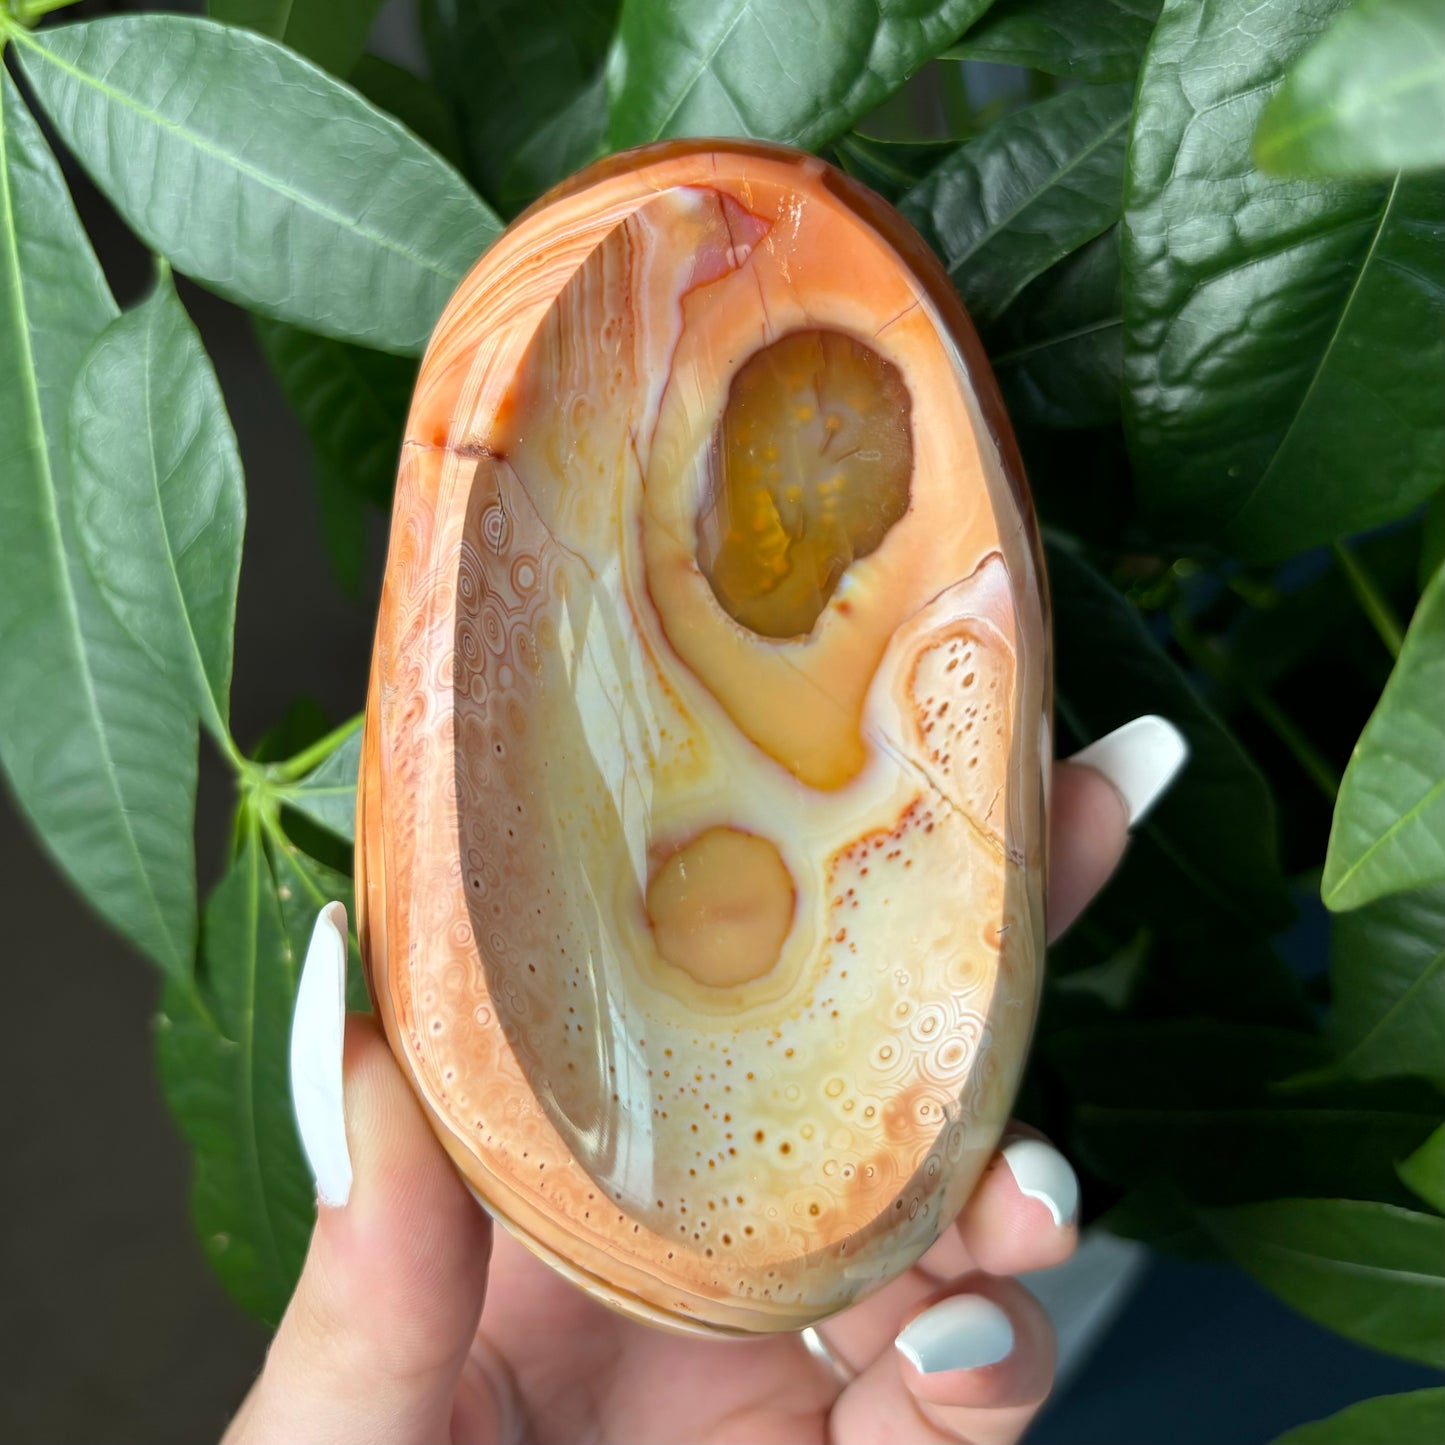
712	948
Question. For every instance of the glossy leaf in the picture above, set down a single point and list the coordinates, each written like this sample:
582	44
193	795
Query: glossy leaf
542	112
1367	100
1282	339
100	758
222	1040
1389	828
1113	980
1308	1149
1414	1418
1387	974
1432	539
890	167
573	138
1211	840
1058	351
1372	1272
1210	971
1087	39
773	69
303	888
1162	1219
344	516
352	401
1033	187
1150	1108
260	176
411	100
331	32
160	499
328	795
1424	1170
1316	621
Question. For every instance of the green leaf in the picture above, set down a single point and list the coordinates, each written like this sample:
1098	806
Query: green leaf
1211	971
344	516
1151	1108
1424	1170
260	176
1113	980
303	888
772	69
543	111
1211	841
890	167
1283	340
1432	539
1087	39
352	401
331	32
222	1041
1322	1149
1372	1272
1366	100
1389	828
415	103
328	794
100	758
1163	1219
1387	974
1321	624
160	499
1414	1418
573	138
1058	350
1032	188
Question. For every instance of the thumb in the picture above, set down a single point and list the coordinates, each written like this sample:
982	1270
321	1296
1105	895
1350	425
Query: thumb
377	1335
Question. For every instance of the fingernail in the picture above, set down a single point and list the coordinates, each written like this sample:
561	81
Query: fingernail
965	1332
1042	1173
1141	759
317	1039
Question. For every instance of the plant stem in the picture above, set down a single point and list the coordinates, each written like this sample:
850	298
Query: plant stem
318	752
1214	661
1371	599
27	12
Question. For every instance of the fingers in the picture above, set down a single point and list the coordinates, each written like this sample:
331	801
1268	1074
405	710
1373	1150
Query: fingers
1088	830
1022	1216
377	1335
1098	796
972	1363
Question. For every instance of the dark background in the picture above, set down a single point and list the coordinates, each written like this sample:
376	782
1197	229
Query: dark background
112	1327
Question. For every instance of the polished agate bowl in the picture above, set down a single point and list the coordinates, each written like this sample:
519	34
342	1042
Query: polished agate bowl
701	820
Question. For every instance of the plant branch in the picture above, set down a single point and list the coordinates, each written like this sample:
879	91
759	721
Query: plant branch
1208	655
317	753
27	12
1372	601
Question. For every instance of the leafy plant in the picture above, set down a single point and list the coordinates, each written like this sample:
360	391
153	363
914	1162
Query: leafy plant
1203	240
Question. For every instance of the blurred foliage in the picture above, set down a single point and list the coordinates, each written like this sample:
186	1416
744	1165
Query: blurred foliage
1203	242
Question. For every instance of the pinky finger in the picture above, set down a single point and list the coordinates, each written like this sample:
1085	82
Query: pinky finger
971	1367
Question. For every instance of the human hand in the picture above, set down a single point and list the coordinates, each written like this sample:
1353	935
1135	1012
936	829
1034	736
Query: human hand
387	1337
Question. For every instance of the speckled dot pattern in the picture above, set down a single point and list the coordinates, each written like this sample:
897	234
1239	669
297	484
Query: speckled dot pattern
558	703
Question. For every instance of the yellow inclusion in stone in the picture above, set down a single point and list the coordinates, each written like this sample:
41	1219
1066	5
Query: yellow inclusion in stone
721	906
810	467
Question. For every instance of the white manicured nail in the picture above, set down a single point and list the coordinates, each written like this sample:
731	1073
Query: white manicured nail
965	1332
1042	1173
317	1038
1141	759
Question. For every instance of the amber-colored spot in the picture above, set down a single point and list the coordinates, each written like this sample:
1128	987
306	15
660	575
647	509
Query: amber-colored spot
810	467
721	906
